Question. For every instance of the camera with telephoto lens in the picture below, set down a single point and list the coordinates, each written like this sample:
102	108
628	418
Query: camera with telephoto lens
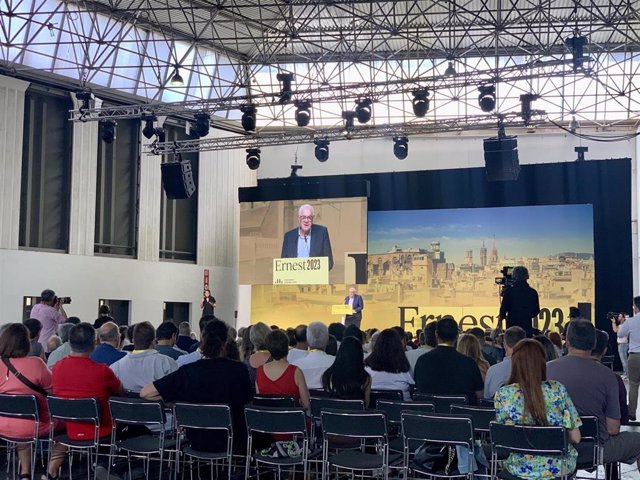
63	300
507	277
613	315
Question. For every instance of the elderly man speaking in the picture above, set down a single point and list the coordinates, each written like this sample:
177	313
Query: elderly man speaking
308	239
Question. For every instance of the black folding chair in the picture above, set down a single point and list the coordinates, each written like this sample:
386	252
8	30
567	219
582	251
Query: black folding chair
204	417
529	440
447	430
318	392
361	426
278	401
608	360
132	411
379	394
23	407
487	402
277	421
320	404
442	402
77	410
481	417
393	411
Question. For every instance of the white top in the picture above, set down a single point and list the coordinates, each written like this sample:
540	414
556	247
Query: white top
313	366
296	354
391	381
189	358
141	368
413	355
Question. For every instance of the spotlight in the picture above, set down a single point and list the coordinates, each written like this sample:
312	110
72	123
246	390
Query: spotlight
576	44
161	135
450	71
526	101
363	110
285	93
201	126
487	98
420	102
176	79
573	125
400	147
303	113
322	149
108	130
348	122
253	158
149	130
580	151
84	96
294	170
248	117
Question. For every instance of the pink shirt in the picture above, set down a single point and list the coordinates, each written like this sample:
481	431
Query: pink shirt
50	319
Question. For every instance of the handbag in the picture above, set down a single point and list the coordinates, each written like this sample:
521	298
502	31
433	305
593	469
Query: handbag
23	379
436	458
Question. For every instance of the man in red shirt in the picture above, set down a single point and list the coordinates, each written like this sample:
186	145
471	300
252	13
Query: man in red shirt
77	376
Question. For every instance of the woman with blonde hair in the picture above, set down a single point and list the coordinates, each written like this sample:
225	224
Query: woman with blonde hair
469	345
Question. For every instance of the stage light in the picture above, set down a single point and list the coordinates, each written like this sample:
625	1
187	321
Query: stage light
161	135
286	92
420	102
322	149
149	130
294	170
401	147
201	127
248	117
176	79
576	44
451	70
348	117
108	130
487	98
303	113
363	110
84	96
253	158
526	101
580	151
573	125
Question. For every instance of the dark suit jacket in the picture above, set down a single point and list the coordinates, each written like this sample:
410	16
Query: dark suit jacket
519	305
320	245
358	305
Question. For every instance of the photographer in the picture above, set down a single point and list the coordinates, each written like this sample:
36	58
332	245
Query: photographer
617	319
208	303
50	313
520	302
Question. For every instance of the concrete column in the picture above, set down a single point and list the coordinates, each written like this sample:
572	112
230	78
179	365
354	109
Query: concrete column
11	132
84	168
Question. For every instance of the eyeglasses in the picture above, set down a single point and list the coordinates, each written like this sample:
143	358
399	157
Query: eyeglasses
306	217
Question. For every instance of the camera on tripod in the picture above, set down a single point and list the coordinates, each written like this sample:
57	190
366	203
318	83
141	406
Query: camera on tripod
506	280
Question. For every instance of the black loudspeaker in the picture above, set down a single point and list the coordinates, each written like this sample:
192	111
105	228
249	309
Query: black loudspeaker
177	179
501	159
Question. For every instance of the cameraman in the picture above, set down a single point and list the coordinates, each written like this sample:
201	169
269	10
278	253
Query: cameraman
623	342
50	313
520	302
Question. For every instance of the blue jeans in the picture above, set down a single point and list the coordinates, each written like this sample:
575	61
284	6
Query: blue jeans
623	351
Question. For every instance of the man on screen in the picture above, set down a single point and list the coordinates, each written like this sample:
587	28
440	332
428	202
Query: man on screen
308	240
357	304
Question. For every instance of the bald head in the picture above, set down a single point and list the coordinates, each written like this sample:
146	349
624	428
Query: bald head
109	333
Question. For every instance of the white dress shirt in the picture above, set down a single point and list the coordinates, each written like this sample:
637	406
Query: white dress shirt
313	365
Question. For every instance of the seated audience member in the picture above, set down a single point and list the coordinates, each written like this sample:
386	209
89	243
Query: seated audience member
317	361
556	339
145	364
291	336
14	350
445	371
261	355
337	330
213	379
104	316
402	335
166	340
332	346
34	327
388	365
184	341
409	341
64	349
489	352
301	348
77	376
107	351
232	350
278	377
498	374
429	344
531	399
201	324
196	354
347	378
53	343
470	346
549	348
246	347
128	345
594	391
600	349
124	341
353	331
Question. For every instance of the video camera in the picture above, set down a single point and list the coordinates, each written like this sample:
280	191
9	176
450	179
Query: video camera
506	279
62	300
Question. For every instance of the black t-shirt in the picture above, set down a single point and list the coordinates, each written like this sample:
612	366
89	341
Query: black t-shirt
207	307
444	371
520	303
211	381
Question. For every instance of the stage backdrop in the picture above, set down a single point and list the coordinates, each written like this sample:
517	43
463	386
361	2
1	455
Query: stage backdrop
438	239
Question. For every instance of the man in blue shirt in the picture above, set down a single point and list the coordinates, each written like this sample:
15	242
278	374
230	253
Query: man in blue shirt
108	351
631	328
498	374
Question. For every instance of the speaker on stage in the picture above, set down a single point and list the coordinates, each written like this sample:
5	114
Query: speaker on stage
501	158
177	179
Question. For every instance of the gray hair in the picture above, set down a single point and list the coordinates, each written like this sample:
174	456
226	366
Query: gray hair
317	335
258	335
109	332
306	205
63	331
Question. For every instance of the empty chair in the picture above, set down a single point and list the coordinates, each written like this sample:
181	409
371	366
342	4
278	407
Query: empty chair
274	401
393	411
24	407
442	402
481	416
487	402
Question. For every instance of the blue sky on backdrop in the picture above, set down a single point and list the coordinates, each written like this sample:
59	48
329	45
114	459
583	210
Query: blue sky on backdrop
531	231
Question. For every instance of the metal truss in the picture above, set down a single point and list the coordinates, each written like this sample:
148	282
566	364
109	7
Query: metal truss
290	137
